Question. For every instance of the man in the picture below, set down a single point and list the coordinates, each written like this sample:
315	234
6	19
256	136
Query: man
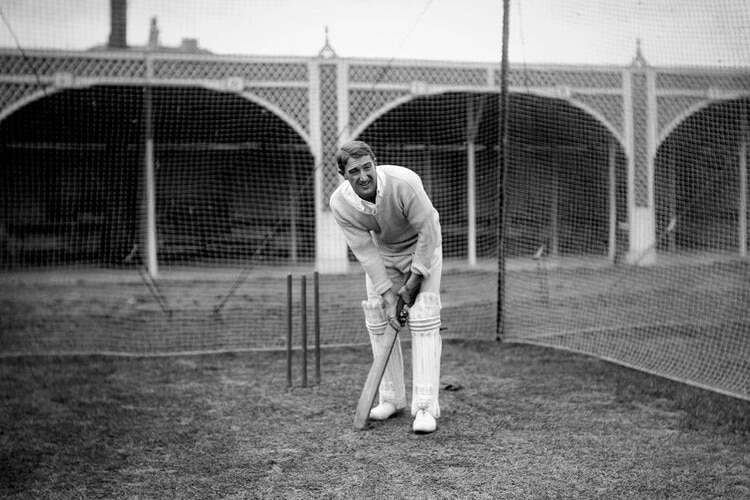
393	230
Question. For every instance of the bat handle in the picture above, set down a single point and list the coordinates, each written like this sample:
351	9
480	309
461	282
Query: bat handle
401	314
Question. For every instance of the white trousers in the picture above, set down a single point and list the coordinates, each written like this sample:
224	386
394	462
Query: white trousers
424	326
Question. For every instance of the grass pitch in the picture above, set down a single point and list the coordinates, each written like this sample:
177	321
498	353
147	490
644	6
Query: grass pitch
527	422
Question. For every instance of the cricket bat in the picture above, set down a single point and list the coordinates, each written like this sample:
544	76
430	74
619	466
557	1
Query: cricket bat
370	390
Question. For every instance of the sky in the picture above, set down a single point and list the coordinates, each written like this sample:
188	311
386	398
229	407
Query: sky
599	32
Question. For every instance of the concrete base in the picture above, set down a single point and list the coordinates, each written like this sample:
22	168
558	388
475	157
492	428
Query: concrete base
642	237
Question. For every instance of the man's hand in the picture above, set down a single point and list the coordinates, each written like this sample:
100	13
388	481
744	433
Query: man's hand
390	299
408	292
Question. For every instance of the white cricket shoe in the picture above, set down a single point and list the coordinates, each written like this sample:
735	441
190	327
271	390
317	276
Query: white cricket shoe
424	422
384	411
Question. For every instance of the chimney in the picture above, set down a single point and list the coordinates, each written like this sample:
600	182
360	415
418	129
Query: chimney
189	45
118	18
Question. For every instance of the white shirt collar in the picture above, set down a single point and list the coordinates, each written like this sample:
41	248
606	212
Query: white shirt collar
366	206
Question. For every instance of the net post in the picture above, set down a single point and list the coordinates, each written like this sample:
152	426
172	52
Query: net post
501	176
743	150
316	318
289	330
303	328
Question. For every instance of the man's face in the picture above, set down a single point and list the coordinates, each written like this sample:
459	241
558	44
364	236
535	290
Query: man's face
360	172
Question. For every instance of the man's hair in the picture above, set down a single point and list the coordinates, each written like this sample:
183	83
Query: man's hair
352	149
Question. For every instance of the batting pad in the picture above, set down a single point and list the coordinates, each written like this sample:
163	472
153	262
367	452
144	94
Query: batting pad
427	346
392	388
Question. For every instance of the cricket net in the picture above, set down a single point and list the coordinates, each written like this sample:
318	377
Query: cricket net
155	195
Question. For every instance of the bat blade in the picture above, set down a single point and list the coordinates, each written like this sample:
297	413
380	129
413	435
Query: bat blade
370	390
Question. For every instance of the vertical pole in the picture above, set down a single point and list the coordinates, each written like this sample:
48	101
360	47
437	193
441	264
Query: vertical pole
427	172
500	326
554	212
612	161
743	181
672	180
471	200
293	209
471	184
289	312
316	312
150	226
303	328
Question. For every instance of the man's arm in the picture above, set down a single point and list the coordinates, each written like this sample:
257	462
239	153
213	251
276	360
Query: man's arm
408	292
424	218
360	241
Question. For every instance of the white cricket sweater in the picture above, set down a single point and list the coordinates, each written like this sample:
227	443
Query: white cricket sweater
402	221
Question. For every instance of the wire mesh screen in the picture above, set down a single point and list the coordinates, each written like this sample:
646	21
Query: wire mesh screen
156	190
74	178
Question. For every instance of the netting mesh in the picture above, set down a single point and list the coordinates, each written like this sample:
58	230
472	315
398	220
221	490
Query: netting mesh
155	196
